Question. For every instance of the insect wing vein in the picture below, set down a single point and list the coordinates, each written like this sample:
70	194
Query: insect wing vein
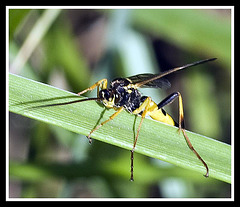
157	83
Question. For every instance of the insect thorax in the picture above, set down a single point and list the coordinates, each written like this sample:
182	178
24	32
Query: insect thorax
122	93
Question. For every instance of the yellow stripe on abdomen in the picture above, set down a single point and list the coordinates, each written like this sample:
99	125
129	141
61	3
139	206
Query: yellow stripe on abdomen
162	116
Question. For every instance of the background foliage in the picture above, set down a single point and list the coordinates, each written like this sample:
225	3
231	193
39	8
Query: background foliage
78	47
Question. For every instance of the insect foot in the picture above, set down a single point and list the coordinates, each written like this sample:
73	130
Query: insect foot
89	139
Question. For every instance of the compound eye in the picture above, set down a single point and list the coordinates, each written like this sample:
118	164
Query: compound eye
104	94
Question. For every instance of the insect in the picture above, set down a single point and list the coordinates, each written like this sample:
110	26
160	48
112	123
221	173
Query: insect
123	94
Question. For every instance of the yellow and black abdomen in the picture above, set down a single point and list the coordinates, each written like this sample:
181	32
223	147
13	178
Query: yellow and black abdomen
161	115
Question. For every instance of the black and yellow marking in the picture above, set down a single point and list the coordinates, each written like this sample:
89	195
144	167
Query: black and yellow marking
123	94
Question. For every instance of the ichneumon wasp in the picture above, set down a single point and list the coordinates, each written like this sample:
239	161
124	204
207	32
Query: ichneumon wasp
123	94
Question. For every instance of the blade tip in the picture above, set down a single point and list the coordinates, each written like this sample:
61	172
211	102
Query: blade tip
212	59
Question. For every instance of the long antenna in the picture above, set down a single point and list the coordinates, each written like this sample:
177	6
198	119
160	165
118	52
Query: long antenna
174	70
66	103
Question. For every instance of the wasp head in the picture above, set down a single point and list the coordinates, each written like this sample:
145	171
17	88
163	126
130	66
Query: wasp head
105	94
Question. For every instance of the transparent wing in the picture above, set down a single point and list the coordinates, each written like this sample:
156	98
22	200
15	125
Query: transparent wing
157	83
157	80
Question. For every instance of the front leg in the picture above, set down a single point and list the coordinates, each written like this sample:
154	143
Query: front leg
119	110
101	83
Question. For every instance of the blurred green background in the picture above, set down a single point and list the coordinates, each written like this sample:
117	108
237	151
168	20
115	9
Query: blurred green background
71	49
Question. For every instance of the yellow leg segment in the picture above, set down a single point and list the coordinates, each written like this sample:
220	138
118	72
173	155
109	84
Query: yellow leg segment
145	108
101	83
119	110
181	116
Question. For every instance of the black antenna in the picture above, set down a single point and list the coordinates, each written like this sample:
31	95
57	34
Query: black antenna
66	103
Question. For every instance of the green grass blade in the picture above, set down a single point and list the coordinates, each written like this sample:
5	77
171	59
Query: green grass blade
156	139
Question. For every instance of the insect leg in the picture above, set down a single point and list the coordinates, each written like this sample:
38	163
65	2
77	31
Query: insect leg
181	127
110	118
145	108
169	100
101	83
